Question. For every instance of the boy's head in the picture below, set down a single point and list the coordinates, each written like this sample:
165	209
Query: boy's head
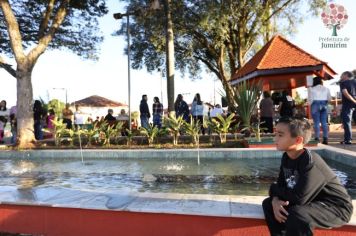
292	133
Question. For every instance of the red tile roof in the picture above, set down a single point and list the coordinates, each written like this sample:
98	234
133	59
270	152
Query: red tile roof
278	53
97	101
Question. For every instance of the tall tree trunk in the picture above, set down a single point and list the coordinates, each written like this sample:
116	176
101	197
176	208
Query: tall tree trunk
169	55
225	81
229	94
25	129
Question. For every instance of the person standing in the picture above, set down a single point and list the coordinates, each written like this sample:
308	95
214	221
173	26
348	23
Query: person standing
109	118
37	117
78	118
181	108
13	123
319	97
267	112
157	112
286	105
198	111
4	115
67	116
144	112
348	99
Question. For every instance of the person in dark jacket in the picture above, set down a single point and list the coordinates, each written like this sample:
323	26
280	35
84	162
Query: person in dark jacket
109	118
37	117
181	108
286	105
307	194
348	98
144	112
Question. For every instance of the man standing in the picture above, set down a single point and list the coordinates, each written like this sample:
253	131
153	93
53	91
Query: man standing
144	112
67	116
348	96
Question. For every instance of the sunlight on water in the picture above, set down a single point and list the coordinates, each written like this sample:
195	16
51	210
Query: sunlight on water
23	167
174	167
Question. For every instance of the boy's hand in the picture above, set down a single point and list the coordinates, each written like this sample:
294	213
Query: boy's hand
280	213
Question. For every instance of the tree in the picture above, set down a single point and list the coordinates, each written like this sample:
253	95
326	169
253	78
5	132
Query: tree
219	36
29	27
334	17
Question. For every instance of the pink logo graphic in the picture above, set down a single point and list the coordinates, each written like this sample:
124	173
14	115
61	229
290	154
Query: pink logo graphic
334	17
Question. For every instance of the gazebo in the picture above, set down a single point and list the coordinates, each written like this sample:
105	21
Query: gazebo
98	106
281	65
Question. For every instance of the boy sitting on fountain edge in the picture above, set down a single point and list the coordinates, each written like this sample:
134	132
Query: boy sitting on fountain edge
307	194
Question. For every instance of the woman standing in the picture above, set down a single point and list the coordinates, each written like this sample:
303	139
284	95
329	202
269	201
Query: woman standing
37	117
198	111
181	108
157	112
4	115
319	96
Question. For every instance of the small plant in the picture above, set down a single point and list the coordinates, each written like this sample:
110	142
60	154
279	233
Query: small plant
59	130
91	134
129	136
193	129
174	125
256	129
235	130
221	125
151	132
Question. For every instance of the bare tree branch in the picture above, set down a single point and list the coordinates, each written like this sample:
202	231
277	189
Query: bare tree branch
7	67
13	30
46	18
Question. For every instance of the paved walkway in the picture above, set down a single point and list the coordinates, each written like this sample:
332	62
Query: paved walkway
336	136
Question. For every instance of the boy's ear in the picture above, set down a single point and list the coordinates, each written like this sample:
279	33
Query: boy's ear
299	140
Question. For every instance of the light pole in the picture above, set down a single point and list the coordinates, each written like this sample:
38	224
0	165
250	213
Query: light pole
65	91
119	16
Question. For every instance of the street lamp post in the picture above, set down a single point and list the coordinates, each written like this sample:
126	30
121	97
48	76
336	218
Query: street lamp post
65	91
118	16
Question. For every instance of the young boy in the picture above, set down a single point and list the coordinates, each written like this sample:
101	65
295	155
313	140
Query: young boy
307	194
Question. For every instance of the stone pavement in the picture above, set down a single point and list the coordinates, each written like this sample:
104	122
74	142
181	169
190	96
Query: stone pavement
338	135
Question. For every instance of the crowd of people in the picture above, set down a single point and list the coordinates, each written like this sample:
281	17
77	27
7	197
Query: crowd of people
271	107
181	108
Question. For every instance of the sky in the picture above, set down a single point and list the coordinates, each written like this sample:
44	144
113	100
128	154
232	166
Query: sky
107	77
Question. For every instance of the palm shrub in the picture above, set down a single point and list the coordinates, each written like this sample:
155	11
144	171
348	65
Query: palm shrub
91	135
129	136
193	128
70	134
222	125
108	131
256	129
174	125
59	128
246	97
151	132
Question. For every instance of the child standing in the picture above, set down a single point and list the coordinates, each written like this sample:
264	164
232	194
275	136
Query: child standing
307	194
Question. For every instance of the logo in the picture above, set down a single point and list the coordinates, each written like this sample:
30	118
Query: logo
334	17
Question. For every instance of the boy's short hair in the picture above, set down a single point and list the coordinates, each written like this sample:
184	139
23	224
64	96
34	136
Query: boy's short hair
297	127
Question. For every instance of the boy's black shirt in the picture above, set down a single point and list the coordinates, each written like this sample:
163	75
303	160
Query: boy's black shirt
309	179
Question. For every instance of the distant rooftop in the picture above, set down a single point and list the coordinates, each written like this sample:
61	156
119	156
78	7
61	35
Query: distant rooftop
97	101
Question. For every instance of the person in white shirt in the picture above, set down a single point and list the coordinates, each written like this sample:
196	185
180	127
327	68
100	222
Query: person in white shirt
78	118
318	97
198	111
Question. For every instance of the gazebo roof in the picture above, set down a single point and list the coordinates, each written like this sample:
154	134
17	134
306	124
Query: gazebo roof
97	101
279	56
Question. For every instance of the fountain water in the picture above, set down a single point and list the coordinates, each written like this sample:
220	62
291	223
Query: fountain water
80	146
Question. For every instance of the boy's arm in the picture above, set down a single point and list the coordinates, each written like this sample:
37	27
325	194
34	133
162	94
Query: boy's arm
281	183
310	183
